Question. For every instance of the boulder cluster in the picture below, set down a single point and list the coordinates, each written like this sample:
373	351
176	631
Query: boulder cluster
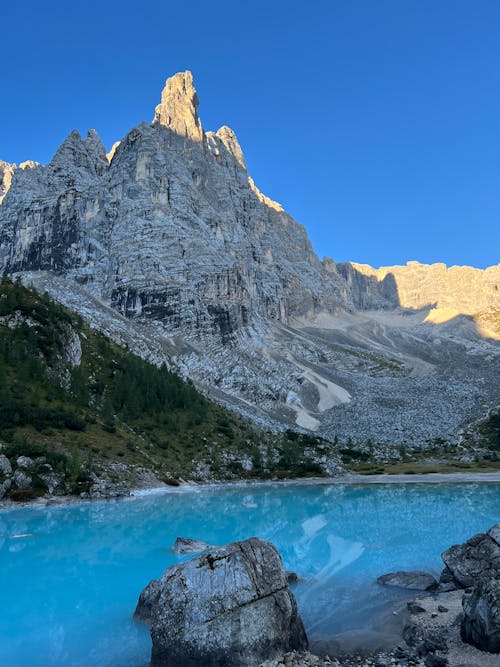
231	605
23	477
475	567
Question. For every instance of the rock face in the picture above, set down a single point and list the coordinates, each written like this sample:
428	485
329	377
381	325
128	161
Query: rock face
477	559
6	173
418	581
475	566
167	244
461	288
178	109
147	601
229	606
209	254
481	621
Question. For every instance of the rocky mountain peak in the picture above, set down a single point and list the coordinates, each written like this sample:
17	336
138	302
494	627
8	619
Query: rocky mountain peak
86	154
178	109
230	141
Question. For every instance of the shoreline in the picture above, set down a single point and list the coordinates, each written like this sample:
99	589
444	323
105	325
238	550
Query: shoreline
351	479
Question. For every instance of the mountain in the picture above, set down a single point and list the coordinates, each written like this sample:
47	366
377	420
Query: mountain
167	245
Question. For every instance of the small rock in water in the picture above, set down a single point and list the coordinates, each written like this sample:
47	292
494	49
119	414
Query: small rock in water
184	545
418	581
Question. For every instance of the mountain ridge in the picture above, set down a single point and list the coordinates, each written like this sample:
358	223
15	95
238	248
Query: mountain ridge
170	232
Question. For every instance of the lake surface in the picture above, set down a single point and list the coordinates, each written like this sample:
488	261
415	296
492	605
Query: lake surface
68	592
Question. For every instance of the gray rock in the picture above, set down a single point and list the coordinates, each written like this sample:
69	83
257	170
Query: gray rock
481	620
415	608
478	558
52	480
25	462
229	606
21	479
5	466
435	660
147	600
5	488
184	545
418	581
494	533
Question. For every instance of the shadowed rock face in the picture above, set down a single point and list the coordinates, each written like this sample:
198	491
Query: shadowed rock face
229	606
475	565
475	560
481	621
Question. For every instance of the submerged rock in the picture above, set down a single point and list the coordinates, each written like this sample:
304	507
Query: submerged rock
418	581
184	545
229	606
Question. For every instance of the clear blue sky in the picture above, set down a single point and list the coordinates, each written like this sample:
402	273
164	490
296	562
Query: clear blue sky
374	122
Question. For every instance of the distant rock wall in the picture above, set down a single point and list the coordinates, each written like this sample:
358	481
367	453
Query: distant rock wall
463	288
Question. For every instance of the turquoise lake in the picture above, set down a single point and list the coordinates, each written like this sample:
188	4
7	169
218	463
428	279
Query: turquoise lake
69	589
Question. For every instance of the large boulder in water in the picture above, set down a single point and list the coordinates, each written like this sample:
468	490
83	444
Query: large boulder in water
229	606
147	600
481	619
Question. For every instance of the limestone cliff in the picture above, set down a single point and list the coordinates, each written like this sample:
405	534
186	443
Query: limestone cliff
465	289
6	172
172	227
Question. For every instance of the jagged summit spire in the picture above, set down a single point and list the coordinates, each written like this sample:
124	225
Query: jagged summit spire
178	108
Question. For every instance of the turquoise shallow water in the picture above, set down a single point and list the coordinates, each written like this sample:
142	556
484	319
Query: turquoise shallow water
68	592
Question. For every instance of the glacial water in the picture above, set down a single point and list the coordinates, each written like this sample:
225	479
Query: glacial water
69	588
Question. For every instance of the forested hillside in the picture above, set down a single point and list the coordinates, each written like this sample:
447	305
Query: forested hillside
76	404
